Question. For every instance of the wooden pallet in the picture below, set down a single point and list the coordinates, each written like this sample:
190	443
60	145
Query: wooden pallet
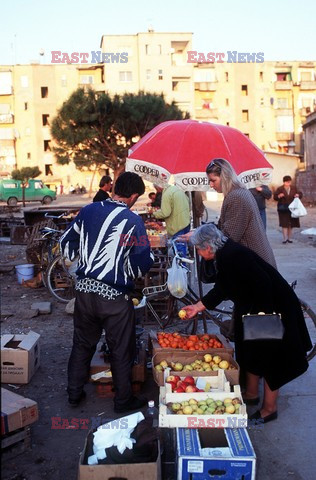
15	443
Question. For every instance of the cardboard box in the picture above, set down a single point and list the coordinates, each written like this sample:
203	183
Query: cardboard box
220	453
127	471
101	371
168	419
186	357
20	357
16	411
154	346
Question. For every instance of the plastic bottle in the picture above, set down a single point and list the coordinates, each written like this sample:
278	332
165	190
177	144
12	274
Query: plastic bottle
152	413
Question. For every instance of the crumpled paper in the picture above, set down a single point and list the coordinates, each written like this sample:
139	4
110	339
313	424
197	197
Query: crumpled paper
115	433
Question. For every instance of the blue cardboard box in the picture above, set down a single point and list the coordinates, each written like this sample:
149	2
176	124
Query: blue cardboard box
215	453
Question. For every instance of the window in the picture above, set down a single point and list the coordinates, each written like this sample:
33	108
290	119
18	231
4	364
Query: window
63	81
227	123
263	147
86	79
44	92
227	102
261	101
159	49
245	115
282	103
48	170
283	76
226	77
24	81
125	76
148	74
285	124
45	120
38	185
247	135
46	145
160	75
147	49
25	106
261	76
28	155
244	90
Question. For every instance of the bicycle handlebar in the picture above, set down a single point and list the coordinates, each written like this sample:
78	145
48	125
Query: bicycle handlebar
54	216
175	249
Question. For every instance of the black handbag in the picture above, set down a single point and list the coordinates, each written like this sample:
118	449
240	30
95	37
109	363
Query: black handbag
208	271
263	326
283	207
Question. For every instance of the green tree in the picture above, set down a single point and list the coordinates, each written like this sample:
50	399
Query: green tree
24	174
95	130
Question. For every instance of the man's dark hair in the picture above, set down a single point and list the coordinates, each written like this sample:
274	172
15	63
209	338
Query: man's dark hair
287	178
128	183
151	195
105	180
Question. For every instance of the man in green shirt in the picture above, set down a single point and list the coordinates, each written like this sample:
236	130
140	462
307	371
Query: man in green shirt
175	211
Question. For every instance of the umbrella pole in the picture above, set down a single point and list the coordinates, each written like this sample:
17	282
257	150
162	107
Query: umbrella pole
196	223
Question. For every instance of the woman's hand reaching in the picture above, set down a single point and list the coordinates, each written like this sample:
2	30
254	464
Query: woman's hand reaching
193	310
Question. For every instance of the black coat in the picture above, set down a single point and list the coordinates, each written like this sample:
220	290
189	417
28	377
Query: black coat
255	286
100	196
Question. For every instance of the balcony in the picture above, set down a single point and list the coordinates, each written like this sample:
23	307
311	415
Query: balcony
283	111
205	86
284	136
182	71
204	113
6	118
310	85
284	85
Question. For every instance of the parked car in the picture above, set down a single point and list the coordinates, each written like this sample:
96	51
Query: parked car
11	192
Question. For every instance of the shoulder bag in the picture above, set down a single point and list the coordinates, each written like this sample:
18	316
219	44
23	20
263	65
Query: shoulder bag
263	326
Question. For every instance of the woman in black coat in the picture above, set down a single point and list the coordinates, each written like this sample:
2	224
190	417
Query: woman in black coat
255	286
285	195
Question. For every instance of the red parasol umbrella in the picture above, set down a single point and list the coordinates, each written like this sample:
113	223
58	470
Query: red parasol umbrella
184	148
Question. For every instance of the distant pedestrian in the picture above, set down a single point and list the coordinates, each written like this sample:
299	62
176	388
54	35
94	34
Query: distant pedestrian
285	195
261	194
105	186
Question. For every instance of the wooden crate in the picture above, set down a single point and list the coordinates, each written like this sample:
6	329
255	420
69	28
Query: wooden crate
15	443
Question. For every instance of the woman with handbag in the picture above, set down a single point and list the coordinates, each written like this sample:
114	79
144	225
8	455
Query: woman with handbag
285	195
255	286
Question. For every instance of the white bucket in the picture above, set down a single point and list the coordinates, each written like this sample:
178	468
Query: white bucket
24	272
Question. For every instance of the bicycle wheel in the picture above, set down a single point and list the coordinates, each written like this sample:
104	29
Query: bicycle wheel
310	320
60	282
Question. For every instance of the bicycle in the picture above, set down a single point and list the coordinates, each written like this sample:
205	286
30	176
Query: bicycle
310	320
161	292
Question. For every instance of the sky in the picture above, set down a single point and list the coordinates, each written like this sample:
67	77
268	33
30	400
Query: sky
281	29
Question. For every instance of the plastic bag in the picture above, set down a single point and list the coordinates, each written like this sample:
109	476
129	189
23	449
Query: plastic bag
177	279
297	209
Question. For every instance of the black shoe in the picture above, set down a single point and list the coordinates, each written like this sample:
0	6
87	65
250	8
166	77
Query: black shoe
134	404
266	419
285	241
289	241
251	401
74	402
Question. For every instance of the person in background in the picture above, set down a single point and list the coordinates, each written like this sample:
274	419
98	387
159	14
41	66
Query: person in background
157	202
285	195
261	194
113	250
175	211
72	189
255	286
105	186
151	196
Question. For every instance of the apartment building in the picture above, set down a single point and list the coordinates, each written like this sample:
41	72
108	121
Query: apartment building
156	63
30	96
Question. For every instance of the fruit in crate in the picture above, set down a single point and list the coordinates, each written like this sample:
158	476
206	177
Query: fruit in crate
187	385
205	407
189	342
198	365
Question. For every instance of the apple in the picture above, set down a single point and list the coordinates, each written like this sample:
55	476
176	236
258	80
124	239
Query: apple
173	385
223	364
158	368
164	363
187	410
208	358
135	302
179	390
176	406
173	378
230	408
190	388
189	380
192	401
177	367
182	314
217	359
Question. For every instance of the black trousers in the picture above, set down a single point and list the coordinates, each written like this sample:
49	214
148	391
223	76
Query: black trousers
93	313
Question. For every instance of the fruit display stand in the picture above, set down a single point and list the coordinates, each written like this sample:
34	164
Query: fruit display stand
186	357
167	419
154	346
157	240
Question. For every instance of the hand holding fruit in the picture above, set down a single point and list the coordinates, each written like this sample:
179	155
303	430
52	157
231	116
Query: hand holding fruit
193	310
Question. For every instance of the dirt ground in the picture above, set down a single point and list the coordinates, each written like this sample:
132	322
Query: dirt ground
55	452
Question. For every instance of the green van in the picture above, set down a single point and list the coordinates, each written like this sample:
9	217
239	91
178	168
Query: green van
35	190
